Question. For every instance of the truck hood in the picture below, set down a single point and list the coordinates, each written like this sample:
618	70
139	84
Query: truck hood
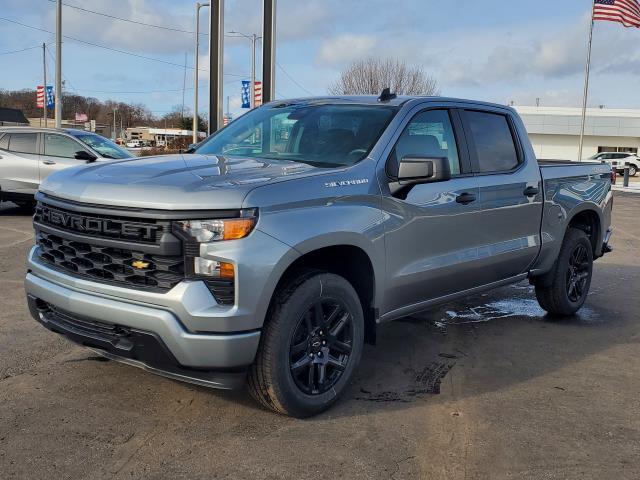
172	182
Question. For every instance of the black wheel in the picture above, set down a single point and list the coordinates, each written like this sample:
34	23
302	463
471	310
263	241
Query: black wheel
569	285
310	346
632	170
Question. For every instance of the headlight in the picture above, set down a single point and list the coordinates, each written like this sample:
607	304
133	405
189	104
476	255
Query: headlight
205	231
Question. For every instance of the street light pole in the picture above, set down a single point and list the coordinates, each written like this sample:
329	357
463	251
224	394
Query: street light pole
58	92
195	75
254	39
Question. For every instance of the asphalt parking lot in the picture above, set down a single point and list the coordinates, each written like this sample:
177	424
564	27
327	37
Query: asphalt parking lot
487	388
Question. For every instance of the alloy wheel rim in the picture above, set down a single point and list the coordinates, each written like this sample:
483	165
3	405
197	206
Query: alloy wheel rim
321	346
577	273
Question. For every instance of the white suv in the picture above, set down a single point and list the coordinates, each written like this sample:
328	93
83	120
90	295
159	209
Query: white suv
28	155
618	160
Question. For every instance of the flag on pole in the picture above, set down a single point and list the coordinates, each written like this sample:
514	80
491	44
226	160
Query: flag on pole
626	12
246	86
257	97
81	117
40	96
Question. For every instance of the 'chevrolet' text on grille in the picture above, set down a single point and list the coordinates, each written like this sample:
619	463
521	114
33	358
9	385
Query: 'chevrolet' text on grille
93	225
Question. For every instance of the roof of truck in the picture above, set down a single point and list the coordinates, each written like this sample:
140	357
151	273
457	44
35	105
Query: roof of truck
373	100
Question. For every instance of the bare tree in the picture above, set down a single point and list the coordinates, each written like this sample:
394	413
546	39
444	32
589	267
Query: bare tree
370	76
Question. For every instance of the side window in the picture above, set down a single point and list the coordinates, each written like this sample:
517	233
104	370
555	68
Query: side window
60	146
493	140
4	142
22	142
429	134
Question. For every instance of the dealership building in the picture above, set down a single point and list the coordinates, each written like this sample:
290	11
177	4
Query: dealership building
555	131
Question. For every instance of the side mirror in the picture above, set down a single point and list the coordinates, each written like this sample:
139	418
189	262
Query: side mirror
84	155
414	170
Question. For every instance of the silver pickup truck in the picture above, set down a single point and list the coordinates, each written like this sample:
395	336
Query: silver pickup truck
272	252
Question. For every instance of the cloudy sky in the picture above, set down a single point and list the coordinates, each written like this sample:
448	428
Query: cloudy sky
497	50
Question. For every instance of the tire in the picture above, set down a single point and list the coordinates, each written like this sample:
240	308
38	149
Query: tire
291	346
568	287
632	170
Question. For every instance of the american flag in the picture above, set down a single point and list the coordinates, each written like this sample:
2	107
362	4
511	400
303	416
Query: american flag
257	94
40	96
626	12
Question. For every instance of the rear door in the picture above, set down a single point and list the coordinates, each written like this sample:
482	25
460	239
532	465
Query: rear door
58	153
19	162
430	240
510	188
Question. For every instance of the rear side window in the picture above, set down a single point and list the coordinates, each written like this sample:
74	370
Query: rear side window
22	142
493	140
60	146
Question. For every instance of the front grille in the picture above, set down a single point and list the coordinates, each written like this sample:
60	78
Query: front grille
109	264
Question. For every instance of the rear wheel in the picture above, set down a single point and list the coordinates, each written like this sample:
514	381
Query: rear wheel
310	346
566	291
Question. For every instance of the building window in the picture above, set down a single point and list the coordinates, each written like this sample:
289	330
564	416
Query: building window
633	150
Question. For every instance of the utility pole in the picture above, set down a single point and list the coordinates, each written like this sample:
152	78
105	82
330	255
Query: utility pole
216	64
268	50
184	85
195	72
114	124
44	71
58	87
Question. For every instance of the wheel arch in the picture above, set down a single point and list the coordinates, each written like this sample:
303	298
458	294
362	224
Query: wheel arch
589	221
346	259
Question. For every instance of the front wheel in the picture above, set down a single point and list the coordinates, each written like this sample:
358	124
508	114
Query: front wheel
570	280
310	346
632	170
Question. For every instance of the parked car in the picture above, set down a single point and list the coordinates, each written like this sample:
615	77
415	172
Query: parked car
134	144
28	155
273	258
618	160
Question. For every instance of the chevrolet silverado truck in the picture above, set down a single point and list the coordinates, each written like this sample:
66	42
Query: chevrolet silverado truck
271	253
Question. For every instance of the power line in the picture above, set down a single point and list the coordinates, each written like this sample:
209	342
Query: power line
293	79
164	27
21	50
124	52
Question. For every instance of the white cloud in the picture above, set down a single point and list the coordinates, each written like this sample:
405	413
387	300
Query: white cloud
346	48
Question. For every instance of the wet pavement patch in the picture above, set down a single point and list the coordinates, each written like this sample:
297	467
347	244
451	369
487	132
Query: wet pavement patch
424	382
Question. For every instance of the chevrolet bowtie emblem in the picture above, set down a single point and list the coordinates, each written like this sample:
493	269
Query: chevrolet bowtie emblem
139	264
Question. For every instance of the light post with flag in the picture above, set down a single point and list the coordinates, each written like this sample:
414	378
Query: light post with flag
626	12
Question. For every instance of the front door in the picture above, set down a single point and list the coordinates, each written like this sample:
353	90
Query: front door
58	153
431	239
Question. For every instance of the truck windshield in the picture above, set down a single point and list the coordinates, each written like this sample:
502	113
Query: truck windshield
320	134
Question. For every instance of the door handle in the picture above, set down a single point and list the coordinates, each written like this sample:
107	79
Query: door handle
531	191
48	162
465	198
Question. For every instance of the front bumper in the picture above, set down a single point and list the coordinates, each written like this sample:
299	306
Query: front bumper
147	336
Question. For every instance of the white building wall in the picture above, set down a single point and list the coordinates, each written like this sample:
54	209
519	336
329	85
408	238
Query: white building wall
565	147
